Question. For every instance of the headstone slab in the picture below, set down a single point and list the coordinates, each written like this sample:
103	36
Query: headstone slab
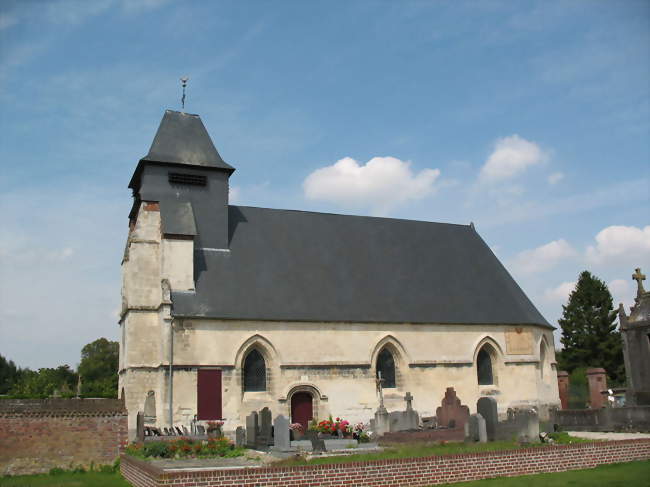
264	438
382	422
252	429
476	428
281	434
487	408
240	437
317	444
139	421
451	411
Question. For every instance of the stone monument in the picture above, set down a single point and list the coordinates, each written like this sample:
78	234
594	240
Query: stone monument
382	418
281	440
635	331
451	413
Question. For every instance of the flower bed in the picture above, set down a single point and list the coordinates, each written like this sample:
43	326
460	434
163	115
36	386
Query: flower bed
185	448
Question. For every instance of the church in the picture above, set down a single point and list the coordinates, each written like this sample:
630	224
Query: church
227	309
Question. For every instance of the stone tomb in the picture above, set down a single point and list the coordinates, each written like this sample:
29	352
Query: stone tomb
281	440
265	437
405	420
487	408
475	429
252	430
451	413
240	437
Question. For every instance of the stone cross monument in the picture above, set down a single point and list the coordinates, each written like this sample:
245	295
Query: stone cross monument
635	331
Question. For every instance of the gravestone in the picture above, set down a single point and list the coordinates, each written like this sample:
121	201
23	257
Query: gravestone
317	444
281	440
487	407
522	425
476	428
200	429
139	427
252	430
451	413
240	437
185	430
265	419
381	424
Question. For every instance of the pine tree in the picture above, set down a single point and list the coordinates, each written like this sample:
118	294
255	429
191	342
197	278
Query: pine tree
589	333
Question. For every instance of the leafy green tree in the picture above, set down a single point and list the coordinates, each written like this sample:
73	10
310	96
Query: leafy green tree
45	383
9	375
589	334
98	368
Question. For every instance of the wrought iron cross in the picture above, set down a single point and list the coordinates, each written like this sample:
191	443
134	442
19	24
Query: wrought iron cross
639	278
184	81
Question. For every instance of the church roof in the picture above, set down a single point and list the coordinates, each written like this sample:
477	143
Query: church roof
302	266
183	139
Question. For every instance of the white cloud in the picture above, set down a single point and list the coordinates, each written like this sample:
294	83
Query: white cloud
618	244
543	257
382	183
559	293
622	292
555	178
511	156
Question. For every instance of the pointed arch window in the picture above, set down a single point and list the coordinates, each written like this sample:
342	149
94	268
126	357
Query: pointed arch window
484	367
254	372
386	365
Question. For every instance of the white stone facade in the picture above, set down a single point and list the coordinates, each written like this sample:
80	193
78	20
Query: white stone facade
335	362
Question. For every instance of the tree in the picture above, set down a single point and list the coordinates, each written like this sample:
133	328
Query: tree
98	368
45	383
589	333
9	375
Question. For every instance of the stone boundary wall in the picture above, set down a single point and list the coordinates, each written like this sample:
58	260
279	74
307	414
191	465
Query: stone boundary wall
629	418
403	472
37	435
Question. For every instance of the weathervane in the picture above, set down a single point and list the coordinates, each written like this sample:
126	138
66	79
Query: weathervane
184	81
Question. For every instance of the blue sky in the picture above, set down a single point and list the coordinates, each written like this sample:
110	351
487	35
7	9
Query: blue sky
531	119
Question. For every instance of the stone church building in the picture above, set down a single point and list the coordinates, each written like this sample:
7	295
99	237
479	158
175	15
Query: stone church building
227	309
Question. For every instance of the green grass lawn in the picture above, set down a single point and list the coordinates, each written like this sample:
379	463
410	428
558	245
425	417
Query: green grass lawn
413	451
67	479
632	474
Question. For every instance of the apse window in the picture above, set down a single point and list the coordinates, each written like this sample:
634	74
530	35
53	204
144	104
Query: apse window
254	372
386	367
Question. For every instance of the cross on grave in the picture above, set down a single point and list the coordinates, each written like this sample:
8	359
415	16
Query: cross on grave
408	398
379	382
639	278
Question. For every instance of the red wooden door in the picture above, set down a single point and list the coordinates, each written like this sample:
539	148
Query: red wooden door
208	394
301	409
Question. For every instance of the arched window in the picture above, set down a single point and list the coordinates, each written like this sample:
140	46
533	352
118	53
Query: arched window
542	360
484	367
254	372
386	365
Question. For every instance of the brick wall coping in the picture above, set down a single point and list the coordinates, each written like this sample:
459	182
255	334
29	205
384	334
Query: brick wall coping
59	414
167	473
62	405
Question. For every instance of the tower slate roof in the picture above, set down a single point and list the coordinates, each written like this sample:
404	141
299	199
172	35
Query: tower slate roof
182	138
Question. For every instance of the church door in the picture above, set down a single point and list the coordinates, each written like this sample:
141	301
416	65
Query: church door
302	409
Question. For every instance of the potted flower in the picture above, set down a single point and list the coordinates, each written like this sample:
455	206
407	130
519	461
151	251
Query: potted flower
297	430
214	429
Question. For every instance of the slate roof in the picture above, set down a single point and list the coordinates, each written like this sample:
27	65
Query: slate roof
182	138
294	265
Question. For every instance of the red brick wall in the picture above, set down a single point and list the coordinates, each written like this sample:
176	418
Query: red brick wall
401	472
35	442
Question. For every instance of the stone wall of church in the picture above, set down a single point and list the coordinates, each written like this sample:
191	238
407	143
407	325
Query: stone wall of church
336	362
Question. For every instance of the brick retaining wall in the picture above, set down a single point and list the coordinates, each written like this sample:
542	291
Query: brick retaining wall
35	438
399	472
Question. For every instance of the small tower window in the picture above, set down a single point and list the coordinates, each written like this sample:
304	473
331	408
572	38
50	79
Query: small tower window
386	365
254	372
484	368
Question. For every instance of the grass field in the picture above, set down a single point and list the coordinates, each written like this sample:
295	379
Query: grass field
632	474
88	479
414	451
